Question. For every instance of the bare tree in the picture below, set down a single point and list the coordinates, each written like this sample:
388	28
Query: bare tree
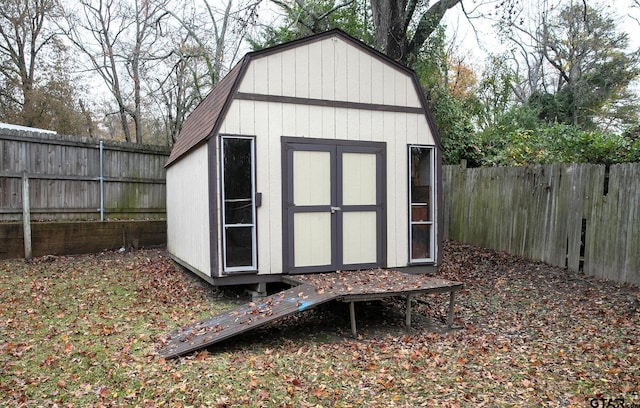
219	33
176	92
25	38
117	38
203	46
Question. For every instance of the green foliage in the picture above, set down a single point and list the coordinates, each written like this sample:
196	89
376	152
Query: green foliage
306	18
494	92
454	125
522	138
452	115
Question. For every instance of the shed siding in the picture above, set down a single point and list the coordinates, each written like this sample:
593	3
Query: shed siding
188	222
397	129
330	69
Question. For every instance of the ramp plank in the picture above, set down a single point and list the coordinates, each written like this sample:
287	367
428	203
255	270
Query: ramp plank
247	317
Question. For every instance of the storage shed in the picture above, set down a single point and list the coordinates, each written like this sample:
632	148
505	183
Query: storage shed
312	156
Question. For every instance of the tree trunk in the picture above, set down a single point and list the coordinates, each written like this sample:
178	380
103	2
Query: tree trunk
391	19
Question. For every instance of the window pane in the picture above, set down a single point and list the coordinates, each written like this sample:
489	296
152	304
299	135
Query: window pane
420	175
421	208
238	211
420	241
239	246
237	168
420	212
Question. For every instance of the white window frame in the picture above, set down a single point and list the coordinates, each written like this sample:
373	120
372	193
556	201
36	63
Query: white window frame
225	226
432	223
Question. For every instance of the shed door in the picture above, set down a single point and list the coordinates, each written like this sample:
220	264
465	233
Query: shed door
334	207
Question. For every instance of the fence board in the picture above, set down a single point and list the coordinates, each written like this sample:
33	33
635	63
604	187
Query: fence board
558	214
64	177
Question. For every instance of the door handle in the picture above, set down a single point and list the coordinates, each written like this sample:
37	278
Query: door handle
334	209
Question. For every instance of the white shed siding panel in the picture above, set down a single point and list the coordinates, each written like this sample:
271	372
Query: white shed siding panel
412	95
274	72
188	223
377	83
393	202
364	77
340	70
377	127
247	84
302	77
315	70
316	124
412	128
260	76
341	123
328	74
365	118
389	85
270	214
302	120
352	66
288	121
288	69
231	124
353	125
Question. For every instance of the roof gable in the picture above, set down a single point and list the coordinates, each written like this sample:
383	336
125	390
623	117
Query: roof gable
205	121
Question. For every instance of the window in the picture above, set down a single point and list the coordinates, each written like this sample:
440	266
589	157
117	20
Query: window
238	209
421	209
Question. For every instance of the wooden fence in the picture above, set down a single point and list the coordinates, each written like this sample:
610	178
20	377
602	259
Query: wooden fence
584	217
77	179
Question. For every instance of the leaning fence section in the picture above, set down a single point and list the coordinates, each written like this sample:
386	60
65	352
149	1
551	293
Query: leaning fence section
580	216
72	178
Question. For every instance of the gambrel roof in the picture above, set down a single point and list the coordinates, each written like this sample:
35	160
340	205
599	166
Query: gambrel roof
206	119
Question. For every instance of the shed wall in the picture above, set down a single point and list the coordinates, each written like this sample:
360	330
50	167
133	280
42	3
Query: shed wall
331	70
188	210
269	121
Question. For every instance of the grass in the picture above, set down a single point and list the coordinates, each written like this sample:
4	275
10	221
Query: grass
82	331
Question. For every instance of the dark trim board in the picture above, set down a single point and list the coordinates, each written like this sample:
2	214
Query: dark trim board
328	103
228	280
212	165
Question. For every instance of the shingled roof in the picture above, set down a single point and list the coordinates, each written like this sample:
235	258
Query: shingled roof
206	119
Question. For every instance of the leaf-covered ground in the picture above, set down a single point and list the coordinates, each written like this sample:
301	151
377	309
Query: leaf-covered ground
79	331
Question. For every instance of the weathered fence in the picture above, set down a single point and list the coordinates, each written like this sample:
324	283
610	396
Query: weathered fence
581	216
79	178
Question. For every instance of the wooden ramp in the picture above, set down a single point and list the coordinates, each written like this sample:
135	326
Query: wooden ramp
312	290
247	317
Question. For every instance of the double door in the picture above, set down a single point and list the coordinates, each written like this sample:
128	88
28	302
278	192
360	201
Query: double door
333	208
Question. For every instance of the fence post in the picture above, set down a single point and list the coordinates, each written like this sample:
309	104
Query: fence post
101	147
26	216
